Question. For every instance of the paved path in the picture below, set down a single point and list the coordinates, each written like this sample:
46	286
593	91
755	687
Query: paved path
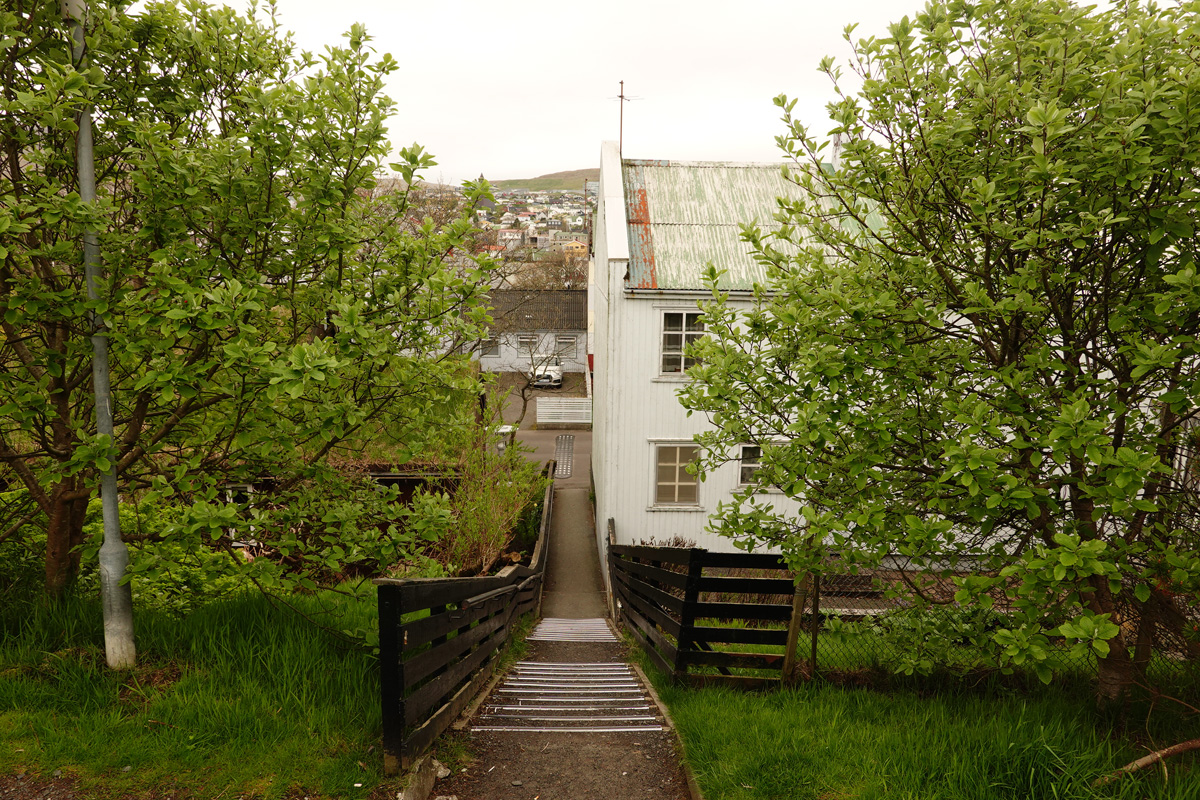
572	721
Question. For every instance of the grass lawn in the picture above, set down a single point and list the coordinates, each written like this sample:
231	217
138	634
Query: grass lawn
824	742
239	698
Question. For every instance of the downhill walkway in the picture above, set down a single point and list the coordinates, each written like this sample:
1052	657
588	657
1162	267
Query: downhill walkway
573	721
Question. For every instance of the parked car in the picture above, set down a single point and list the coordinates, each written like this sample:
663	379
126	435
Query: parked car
549	372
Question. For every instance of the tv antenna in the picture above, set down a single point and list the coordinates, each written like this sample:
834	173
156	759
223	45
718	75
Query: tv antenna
621	130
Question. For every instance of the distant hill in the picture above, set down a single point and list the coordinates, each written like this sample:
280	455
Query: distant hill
555	181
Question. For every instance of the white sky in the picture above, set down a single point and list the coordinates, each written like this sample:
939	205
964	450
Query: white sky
520	89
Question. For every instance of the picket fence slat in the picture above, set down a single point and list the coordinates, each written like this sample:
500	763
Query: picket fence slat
564	410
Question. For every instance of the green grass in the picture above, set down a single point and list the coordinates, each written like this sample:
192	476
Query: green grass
824	742
239	698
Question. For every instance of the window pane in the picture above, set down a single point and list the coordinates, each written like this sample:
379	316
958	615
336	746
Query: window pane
666	473
665	494
694	323
672	322
672	363
672	342
687	493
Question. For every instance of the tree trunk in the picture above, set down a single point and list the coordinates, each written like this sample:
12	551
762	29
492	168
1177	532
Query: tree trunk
64	536
1115	672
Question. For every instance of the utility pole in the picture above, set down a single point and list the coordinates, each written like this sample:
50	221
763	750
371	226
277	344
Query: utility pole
117	599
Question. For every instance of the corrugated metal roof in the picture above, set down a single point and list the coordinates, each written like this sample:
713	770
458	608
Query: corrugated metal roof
683	215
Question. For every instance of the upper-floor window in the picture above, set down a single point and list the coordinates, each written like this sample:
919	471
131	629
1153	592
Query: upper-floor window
565	346
489	347
680	328
527	342
749	463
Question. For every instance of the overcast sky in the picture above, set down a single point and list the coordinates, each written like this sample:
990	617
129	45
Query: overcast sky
519	89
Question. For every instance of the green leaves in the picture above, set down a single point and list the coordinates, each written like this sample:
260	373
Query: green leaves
978	342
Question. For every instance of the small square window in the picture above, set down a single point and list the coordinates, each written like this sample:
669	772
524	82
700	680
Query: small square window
565	346
750	463
527	342
673	484
489	348
680	328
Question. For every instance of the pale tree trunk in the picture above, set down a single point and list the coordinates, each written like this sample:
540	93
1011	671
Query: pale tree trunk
1115	672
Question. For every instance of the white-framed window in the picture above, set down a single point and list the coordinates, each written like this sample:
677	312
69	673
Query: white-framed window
680	328
749	462
565	346
489	347
527	342
673	484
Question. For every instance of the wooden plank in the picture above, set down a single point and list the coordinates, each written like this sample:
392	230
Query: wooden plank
419	703
421	666
660	641
665	600
656	657
648	571
424	593
672	555
744	682
717	658
769	611
391	693
710	583
653	613
774	636
743	560
422	737
426	629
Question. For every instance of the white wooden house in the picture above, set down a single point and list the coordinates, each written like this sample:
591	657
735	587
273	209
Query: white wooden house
657	225
532	324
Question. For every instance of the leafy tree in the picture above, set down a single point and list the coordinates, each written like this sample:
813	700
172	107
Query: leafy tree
263	303
976	349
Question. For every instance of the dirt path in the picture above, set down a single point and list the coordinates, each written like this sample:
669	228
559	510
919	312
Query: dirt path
541	760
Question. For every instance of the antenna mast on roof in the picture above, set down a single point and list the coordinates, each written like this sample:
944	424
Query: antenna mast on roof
621	129
621	135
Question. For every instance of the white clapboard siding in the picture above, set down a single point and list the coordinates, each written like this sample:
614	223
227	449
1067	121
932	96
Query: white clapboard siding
564	409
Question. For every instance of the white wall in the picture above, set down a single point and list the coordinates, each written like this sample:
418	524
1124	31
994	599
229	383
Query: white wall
635	407
513	357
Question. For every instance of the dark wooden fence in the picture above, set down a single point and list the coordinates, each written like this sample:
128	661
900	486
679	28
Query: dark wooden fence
439	640
678	607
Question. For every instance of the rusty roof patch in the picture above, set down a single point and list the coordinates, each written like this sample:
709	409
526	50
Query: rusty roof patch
641	239
683	215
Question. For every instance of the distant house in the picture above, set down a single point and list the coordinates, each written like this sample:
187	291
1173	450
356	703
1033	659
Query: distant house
532	323
573	248
657	225
510	238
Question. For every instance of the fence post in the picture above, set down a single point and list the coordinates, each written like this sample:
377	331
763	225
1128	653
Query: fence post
687	619
799	600
816	622
391	677
608	563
